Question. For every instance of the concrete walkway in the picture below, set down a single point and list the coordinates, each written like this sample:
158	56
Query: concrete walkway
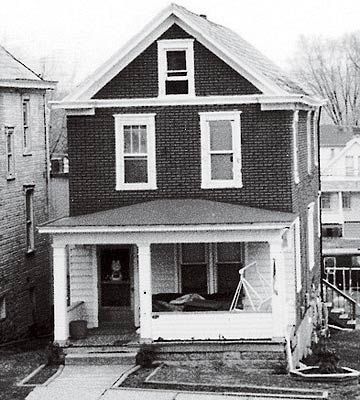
80	382
96	382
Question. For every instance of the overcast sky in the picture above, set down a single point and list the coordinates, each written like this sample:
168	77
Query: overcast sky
88	32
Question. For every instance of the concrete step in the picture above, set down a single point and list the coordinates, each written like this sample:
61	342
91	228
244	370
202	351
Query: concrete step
107	358
337	310
101	349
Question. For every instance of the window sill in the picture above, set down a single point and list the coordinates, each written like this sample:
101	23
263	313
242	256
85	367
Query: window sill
27	153
30	253
10	178
221	185
134	187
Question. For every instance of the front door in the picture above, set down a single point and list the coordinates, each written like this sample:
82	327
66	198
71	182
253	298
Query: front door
115	277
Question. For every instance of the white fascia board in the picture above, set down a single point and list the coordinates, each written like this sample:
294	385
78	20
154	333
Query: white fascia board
340	251
164	228
276	102
27	84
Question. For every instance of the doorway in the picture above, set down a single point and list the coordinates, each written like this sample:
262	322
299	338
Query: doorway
115	285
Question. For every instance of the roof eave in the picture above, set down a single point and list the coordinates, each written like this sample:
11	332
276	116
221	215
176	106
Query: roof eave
28	84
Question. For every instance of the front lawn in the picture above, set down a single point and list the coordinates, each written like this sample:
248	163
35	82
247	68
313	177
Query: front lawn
185	376
16	363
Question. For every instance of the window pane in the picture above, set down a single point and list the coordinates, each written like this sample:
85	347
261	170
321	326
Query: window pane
325	200
228	278
346	200
176	60
10	164
135	170
194	279
8	141
220	135
143	144
221	166
127	139
25	112
177	87
193	252
349	165
28	205
228	252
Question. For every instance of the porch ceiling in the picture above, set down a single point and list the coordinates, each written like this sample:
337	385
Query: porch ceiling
169	212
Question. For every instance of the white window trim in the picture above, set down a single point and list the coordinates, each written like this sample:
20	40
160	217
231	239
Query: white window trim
316	137
297	255
30	233
27	147
10	130
309	143
206	181
176	44
318	209
3	311
295	145
135	119
310	235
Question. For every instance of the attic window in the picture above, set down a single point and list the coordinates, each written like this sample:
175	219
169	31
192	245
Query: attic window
176	67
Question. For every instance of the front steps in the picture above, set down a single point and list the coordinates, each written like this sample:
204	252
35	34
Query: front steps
338	317
100	355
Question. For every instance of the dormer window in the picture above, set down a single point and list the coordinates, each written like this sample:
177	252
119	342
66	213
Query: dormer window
176	67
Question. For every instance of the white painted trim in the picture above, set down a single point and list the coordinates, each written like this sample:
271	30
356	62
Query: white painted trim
176	44
341	251
276	102
316	137
95	277
295	146
80	111
297	255
310	236
206	181
135	119
309	143
164	228
27	84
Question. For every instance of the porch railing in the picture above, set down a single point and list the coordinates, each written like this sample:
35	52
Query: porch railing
347	279
338	299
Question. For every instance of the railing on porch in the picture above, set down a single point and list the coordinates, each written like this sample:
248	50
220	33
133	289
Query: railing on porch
346	279
338	299
256	299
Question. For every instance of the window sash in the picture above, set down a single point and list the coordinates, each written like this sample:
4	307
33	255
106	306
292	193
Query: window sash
29	219
325	201
26	127
10	156
349	166
206	152
346	200
136	126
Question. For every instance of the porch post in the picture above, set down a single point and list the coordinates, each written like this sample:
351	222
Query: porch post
145	295
279	307
61	323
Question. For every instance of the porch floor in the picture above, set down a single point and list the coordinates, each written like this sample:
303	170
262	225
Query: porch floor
108	334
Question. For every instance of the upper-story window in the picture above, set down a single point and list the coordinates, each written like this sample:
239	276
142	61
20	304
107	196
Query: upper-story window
295	129
135	151
346	200
310	143
26	125
10	153
176	67
326	200
349	166
29	216
220	149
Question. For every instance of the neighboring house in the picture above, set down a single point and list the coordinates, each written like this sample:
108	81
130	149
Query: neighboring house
340	206
59	161
25	276
192	156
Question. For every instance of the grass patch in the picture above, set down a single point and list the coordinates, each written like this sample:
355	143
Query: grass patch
16	362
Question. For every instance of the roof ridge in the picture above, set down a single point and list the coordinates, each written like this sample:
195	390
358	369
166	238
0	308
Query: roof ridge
20	62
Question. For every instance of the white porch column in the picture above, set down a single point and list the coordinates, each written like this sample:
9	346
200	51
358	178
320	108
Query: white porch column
61	323
340	208
279	307
145	295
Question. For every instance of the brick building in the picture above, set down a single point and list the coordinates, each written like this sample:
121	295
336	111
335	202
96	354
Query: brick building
192	157
24	255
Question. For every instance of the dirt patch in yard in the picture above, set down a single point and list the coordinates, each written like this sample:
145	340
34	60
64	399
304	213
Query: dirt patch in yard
16	363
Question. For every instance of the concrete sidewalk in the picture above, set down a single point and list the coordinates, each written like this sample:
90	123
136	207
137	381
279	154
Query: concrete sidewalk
96	382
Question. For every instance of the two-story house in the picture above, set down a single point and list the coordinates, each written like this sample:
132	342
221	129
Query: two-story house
340	206
25	276
193	171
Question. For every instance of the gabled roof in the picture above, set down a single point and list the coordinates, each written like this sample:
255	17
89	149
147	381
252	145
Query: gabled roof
13	73
335	136
169	212
349	144
223	42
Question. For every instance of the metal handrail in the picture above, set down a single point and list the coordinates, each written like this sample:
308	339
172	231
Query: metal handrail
339	292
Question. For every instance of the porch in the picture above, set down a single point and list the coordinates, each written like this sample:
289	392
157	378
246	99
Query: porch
186	270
